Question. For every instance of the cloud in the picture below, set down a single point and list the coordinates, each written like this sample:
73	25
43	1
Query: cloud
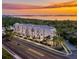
51	5
65	4
68	8
18	6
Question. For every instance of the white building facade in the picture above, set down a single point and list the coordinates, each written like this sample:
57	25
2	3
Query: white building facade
37	31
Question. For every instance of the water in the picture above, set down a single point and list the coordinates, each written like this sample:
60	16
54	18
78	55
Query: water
51	17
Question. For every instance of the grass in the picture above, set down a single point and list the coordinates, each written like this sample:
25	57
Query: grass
6	55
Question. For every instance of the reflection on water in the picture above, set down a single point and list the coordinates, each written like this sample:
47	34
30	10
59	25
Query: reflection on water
74	18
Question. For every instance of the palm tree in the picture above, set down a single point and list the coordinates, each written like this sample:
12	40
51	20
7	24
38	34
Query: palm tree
47	39
57	40
38	36
54	41
59	43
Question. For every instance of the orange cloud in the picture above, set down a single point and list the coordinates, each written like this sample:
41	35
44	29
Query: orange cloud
48	11
65	4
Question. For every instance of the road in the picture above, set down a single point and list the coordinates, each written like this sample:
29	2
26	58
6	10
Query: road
27	50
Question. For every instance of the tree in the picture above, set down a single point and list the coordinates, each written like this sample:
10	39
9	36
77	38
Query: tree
57	40
73	40
9	34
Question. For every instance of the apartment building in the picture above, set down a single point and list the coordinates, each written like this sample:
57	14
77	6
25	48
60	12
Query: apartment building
37	31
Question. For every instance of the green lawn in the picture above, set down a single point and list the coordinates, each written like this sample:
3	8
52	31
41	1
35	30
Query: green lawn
6	55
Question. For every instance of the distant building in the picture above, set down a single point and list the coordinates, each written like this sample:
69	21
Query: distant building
37	31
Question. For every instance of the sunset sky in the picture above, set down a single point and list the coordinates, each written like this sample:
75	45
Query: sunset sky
40	7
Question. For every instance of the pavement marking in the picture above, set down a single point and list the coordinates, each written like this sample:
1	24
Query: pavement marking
36	52
30	53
